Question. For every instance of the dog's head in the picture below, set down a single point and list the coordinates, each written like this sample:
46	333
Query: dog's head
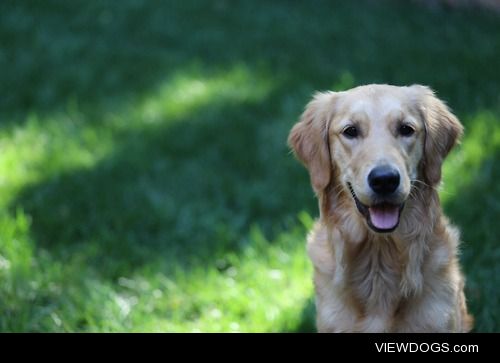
374	142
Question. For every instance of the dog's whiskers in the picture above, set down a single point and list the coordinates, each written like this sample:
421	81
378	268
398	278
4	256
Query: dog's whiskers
416	187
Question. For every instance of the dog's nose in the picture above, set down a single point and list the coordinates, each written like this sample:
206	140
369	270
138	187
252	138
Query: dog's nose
383	179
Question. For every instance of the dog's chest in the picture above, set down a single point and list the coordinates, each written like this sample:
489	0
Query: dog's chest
374	275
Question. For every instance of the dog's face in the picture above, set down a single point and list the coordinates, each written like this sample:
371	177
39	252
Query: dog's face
375	142
376	139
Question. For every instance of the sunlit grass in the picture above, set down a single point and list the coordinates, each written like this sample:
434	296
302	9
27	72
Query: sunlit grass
186	92
481	142
228	295
232	297
43	147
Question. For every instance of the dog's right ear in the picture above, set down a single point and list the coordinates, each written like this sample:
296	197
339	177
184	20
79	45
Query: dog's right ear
309	139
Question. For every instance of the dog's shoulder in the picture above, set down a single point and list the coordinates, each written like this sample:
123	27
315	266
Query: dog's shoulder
320	248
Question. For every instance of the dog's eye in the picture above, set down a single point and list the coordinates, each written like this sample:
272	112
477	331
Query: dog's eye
406	130
350	132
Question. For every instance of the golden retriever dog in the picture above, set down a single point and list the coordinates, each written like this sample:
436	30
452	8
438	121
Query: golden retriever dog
384	255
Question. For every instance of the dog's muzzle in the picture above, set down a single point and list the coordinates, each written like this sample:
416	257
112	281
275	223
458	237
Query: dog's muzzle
381	217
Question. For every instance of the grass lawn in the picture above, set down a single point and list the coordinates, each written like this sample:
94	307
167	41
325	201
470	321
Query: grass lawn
145	181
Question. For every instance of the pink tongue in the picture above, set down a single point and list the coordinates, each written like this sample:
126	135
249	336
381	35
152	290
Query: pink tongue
384	217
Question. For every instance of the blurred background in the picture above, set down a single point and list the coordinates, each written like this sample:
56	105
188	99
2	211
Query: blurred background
145	180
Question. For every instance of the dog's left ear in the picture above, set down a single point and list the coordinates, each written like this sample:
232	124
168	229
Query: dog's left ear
442	131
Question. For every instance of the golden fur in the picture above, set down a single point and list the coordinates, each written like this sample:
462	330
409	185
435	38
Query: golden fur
407	280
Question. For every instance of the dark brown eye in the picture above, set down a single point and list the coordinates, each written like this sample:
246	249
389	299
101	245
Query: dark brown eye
406	130
350	132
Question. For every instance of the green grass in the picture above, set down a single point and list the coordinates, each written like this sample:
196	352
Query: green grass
145	181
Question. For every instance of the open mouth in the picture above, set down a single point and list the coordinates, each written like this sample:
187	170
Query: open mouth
381	217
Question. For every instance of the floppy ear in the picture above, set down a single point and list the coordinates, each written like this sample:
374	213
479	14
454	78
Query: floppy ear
442	132
308	139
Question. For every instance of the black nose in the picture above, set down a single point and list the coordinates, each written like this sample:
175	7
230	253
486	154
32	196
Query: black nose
383	179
